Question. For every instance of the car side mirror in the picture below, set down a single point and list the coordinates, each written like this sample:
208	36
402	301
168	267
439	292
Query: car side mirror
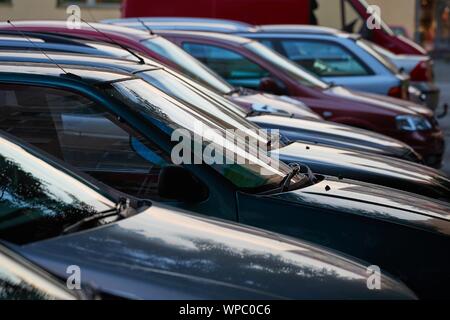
270	85
178	183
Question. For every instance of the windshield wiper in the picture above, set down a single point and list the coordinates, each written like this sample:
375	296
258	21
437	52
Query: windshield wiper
121	210
297	169
285	184
235	90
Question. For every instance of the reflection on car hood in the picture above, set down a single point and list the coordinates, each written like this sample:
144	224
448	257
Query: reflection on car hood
363	166
333	134
162	254
284	105
396	105
377	202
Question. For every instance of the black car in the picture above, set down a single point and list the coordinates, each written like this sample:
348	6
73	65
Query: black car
63	110
73	226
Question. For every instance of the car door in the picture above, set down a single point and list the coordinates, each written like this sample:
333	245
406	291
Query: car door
336	63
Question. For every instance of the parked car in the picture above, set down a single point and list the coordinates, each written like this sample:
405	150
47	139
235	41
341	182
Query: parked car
332	55
347	15
22	280
338	162
356	218
419	68
324	51
254	104
60	220
247	63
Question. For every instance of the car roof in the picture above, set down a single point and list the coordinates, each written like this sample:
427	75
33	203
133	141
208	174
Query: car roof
98	63
299	28
234	39
219	25
177	23
79	73
35	41
53	25
70	59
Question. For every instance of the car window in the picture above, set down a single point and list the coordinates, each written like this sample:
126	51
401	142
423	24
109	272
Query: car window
187	64
324	58
253	168
232	66
19	281
77	131
211	106
382	55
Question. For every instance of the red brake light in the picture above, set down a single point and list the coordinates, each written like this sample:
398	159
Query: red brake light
423	72
400	92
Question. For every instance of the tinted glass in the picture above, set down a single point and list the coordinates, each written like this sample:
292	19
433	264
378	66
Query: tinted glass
323	58
232	66
77	131
281	63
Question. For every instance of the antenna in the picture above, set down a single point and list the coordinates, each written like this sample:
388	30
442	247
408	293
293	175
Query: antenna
37	47
145	26
141	61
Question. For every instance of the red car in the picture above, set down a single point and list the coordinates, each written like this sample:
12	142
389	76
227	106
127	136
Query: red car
349	15
247	63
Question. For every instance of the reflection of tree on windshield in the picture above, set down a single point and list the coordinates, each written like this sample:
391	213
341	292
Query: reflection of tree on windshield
28	209
20	290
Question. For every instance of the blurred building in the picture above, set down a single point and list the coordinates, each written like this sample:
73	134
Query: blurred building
56	9
426	21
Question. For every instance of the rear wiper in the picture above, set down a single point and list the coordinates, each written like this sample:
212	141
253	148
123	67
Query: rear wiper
121	210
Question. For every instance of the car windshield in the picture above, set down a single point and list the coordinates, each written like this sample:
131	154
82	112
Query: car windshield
301	75
37	200
253	170
378	54
188	64
199	98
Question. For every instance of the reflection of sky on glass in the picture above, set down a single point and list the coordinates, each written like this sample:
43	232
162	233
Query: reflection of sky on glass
60	186
190	66
151	100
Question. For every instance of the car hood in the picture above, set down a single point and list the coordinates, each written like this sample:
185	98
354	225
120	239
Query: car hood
398	106
377	202
344	160
282	105
333	134
162	254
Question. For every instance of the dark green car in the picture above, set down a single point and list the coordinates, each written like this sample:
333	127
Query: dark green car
118	128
